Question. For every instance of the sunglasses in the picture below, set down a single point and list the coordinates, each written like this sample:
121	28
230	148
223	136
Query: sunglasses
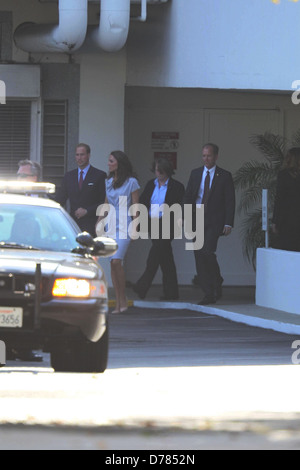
24	176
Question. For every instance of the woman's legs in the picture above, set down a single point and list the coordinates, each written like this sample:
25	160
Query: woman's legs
119	283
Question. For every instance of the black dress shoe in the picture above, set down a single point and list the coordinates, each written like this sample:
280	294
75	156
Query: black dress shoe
29	356
207	300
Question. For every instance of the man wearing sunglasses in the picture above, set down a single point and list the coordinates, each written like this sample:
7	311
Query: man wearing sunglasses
29	171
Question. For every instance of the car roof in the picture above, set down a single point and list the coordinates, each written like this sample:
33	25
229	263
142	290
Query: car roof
28	200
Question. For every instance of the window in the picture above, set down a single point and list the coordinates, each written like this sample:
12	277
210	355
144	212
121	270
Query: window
20	137
15	136
54	141
45	228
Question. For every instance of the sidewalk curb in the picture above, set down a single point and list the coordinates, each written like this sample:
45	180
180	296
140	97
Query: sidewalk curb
250	320
255	321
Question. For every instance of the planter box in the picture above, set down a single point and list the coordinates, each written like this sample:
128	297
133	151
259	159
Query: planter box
278	280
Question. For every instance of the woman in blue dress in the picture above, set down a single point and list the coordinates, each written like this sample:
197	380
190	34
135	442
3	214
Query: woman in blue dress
122	191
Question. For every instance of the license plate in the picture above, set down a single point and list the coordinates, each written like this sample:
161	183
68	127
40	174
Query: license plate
11	317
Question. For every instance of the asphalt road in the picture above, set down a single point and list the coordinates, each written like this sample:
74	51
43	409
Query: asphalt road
181	338
176	380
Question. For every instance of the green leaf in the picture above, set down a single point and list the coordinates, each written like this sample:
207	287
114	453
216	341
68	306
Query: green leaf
271	146
251	179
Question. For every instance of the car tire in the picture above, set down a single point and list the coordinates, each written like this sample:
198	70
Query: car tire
81	356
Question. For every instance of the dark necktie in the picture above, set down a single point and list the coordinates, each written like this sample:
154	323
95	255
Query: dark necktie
206	188
80	180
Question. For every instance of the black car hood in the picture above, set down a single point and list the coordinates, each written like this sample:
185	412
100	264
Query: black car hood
57	264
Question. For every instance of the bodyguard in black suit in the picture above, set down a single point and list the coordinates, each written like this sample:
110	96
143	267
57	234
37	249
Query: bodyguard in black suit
286	217
85	189
162	190
212	186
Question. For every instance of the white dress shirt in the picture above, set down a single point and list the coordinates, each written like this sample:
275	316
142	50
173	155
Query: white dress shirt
158	198
84	172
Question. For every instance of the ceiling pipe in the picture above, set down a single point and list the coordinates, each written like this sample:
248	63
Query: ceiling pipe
143	15
67	37
112	33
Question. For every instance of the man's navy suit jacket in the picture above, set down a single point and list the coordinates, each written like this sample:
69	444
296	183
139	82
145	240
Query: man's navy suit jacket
220	208
89	197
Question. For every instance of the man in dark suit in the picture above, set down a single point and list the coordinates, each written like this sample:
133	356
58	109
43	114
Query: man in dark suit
213	187
161	190
84	187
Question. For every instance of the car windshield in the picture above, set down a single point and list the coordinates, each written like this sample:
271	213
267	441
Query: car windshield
43	228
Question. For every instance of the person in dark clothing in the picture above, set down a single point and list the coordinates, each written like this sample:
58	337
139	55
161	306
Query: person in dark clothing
212	186
286	216
84	187
161	190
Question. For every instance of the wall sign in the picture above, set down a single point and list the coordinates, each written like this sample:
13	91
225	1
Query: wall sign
165	144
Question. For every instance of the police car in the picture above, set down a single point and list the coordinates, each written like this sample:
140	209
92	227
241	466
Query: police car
53	292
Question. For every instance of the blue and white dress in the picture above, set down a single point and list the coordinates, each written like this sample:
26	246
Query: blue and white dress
118	219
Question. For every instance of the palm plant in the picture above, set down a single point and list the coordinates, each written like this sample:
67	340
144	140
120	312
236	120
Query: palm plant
251	179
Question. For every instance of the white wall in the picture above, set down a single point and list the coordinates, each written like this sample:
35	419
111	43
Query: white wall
277	284
101	120
243	44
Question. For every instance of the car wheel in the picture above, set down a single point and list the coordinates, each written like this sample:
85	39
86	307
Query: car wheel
81	356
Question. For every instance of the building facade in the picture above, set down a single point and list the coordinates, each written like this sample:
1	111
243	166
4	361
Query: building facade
150	77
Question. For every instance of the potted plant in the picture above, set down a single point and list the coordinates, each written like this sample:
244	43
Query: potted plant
251	179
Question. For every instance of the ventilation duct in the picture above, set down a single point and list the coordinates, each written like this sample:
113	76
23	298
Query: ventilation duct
67	37
71	32
112	33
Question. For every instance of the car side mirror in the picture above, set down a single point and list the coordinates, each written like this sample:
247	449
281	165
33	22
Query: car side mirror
85	239
100	246
104	247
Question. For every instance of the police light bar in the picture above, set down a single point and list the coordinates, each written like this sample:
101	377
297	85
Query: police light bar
26	187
